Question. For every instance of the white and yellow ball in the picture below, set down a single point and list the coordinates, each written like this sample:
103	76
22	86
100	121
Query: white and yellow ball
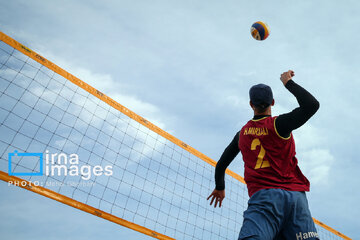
260	30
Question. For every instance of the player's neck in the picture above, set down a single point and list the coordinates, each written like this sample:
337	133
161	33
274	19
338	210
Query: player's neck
267	112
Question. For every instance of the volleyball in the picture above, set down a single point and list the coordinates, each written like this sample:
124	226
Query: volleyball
260	30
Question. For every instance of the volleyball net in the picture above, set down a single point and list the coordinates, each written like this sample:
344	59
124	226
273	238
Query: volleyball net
63	139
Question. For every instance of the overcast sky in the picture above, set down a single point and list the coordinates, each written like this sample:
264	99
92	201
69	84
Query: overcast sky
187	67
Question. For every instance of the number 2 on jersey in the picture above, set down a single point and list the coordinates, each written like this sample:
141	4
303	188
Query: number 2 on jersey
260	163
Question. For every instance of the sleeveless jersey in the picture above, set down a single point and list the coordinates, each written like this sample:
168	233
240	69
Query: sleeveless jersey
269	159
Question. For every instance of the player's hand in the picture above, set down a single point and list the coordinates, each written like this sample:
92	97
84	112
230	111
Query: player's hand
218	196
286	76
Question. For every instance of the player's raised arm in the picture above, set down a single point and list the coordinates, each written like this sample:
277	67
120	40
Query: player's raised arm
308	105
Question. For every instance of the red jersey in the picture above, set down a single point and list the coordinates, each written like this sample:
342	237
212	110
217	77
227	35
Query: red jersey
269	159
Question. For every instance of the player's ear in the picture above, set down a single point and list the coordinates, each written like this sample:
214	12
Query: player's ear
252	105
273	102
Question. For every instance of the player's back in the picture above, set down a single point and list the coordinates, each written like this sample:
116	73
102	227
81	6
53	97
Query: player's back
269	159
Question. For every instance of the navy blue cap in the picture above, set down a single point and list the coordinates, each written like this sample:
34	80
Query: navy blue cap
261	95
